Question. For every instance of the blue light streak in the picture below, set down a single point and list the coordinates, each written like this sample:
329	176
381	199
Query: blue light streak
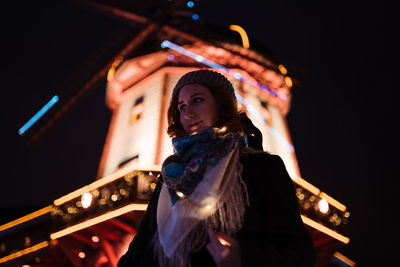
198	58
281	140
38	114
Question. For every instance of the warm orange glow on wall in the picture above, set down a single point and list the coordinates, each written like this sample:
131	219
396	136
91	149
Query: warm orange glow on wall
243	35
24	251
136	112
26	218
325	229
98	219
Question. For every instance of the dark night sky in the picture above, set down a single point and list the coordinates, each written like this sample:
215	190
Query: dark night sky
340	118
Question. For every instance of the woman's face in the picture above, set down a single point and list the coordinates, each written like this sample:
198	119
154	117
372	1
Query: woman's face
198	108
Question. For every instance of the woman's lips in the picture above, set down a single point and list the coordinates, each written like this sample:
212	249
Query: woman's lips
194	124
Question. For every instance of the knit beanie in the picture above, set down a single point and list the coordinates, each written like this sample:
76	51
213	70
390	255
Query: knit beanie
211	79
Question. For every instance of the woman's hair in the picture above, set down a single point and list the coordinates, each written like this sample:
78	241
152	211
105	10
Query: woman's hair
220	88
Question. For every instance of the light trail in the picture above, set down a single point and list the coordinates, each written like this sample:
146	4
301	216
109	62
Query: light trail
38	115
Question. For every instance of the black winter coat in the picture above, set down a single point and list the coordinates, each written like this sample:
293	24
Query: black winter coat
272	235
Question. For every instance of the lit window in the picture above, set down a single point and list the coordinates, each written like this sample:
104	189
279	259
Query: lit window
265	113
137	110
129	161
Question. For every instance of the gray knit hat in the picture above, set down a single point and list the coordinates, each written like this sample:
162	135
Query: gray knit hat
211	79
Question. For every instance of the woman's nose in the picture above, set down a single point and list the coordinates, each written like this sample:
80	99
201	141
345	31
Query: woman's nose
189	112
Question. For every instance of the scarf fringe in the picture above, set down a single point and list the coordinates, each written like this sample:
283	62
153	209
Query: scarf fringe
227	219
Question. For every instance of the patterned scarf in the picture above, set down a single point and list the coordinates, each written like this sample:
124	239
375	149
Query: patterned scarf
202	189
183	170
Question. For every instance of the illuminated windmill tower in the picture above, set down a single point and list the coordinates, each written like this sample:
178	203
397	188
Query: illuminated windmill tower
137	136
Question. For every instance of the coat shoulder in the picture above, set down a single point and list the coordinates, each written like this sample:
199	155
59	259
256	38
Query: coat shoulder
255	157
261	168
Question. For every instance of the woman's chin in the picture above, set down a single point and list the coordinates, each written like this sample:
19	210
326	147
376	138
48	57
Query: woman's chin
197	130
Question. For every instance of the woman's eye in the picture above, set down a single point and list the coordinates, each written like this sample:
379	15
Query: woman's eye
197	99
181	107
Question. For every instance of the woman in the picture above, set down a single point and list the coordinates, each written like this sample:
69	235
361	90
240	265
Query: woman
221	200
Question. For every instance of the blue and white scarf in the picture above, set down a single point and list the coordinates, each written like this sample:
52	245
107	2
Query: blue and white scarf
202	189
